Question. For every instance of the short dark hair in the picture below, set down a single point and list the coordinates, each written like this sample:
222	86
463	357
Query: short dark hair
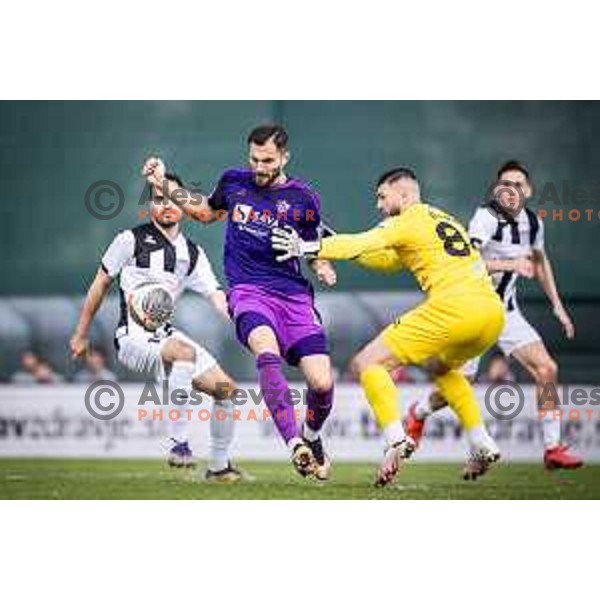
498	355
394	175
263	133
513	165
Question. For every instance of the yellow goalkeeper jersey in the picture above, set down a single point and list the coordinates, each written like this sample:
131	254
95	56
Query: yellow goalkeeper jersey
427	241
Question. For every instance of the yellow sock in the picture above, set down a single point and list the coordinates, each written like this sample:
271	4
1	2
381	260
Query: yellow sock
460	396
382	395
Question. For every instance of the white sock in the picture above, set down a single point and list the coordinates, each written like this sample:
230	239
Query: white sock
393	433
423	408
221	434
309	434
551	429
479	439
180	378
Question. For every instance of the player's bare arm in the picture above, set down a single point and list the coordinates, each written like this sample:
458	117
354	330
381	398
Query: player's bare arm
324	271
391	202
193	204
523	266
219	302
95	297
345	246
545	275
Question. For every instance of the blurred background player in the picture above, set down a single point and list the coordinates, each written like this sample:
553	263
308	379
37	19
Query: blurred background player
510	237
95	368
272	303
461	317
34	370
27	374
158	252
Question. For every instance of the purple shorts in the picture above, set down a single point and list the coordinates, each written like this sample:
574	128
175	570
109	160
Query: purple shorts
293	318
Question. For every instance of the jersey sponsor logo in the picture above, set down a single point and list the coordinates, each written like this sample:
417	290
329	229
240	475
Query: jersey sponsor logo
244	214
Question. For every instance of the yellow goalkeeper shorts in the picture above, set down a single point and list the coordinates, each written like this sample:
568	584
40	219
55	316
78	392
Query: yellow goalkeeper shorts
453	328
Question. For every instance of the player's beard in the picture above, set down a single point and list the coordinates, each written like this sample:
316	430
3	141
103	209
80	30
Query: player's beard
266	181
505	208
167	224
166	217
392	213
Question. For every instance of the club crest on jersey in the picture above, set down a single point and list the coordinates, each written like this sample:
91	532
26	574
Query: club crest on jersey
282	206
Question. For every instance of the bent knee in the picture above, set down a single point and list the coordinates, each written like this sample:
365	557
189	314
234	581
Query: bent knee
322	383
546	372
220	388
225	389
174	350
437	401
358	365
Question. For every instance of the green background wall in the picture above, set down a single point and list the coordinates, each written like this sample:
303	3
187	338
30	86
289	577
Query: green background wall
51	152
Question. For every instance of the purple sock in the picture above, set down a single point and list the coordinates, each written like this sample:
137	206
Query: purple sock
318	407
276	392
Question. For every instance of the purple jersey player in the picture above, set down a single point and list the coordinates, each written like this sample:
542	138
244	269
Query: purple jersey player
272	303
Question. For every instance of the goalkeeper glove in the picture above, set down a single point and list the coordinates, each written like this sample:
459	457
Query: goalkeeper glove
288	244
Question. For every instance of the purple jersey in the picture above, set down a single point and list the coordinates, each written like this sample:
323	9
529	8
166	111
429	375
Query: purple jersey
253	211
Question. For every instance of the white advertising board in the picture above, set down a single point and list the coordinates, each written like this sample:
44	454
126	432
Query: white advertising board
54	422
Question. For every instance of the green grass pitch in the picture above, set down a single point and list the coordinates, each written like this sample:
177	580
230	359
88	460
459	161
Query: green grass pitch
148	479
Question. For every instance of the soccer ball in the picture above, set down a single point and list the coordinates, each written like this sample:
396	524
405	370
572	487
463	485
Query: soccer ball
151	306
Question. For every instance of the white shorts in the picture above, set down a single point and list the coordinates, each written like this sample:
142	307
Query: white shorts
517	332
139	350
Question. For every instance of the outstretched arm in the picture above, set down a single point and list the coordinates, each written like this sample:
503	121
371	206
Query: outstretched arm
385	260
545	275
337	247
351	246
193	204
523	266
97	292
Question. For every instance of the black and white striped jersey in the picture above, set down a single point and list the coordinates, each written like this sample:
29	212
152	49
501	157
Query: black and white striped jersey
144	255
500	238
